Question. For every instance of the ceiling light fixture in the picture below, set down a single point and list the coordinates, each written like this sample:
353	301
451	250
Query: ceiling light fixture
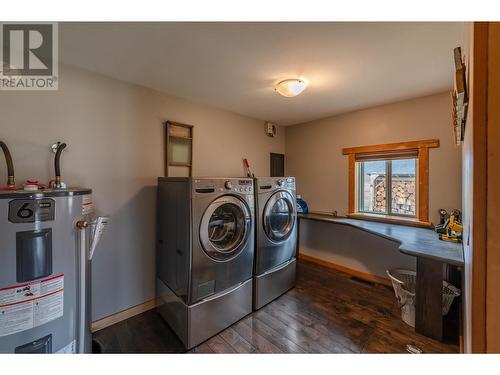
290	87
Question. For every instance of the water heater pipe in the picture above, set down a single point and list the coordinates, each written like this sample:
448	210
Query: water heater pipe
11	181
82	284
57	164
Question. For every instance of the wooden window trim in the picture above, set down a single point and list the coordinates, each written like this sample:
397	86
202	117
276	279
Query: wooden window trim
422	148
390	219
392	147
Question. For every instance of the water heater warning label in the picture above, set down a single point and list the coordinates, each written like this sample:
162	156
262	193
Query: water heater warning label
30	305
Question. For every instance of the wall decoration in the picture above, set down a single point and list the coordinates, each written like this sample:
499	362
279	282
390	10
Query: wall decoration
270	129
459	98
178	147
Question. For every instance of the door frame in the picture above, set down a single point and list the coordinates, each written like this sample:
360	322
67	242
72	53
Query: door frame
479	75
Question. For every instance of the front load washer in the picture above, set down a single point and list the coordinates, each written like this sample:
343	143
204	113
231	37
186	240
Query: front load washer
204	254
276	238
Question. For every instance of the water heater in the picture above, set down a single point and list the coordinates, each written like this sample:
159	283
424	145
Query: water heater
45	271
47	238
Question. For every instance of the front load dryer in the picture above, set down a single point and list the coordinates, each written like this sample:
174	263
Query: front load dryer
204	254
276	238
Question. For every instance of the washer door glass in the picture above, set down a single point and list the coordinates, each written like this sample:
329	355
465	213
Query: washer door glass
225	227
279	216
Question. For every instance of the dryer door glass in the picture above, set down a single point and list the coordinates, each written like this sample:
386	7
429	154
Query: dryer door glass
279	216
225	227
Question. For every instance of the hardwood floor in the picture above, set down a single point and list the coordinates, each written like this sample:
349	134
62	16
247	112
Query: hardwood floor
327	312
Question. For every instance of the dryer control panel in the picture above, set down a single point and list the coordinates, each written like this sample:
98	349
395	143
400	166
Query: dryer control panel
286	183
270	184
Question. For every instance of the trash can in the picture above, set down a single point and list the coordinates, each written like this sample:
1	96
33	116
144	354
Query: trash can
403	282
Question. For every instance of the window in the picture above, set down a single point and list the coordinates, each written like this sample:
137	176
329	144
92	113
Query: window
390	182
387	186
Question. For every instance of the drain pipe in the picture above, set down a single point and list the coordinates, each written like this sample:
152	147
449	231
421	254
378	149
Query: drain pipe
11	181
57	165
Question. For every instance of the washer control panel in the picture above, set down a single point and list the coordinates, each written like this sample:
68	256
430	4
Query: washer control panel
31	210
239	186
220	185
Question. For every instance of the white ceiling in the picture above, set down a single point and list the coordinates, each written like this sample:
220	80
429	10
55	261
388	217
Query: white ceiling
233	65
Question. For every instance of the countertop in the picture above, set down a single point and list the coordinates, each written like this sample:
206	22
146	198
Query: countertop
420	242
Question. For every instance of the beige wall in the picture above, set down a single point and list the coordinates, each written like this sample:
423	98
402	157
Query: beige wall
314	156
114	133
314	150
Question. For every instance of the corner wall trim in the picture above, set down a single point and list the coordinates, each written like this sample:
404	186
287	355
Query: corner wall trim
337	267
122	315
